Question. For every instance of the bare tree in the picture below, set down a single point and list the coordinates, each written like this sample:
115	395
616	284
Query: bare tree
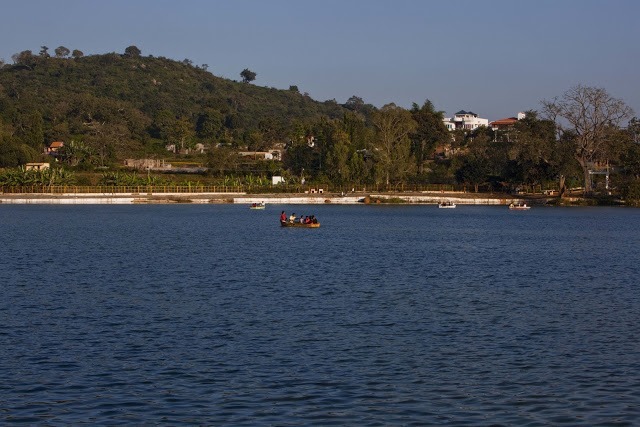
587	115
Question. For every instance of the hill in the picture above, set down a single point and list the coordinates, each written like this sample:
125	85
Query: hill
126	105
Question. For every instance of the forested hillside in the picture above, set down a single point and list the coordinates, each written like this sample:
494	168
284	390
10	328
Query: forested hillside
123	105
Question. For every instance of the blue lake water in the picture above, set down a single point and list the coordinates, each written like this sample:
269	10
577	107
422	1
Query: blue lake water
386	315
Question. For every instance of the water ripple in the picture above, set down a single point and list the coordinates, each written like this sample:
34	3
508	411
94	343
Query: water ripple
200	315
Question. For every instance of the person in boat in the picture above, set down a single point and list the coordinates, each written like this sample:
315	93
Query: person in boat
292	217
307	220
313	219
283	217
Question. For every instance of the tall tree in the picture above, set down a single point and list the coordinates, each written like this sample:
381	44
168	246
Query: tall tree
429	133
359	133
392	144
531	148
182	133
589	114
335	150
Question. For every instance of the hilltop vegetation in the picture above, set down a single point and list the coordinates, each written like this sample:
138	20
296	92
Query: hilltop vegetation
110	107
129	105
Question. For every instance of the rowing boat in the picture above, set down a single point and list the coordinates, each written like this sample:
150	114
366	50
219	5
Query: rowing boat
446	205
299	224
522	207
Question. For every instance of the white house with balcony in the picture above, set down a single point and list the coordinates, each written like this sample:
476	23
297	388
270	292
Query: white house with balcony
465	120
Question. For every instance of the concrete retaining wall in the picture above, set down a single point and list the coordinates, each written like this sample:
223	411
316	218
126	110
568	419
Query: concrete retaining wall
239	198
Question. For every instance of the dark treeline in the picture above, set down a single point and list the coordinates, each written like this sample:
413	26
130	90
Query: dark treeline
111	107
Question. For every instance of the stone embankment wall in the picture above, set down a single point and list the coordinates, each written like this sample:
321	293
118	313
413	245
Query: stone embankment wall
241	198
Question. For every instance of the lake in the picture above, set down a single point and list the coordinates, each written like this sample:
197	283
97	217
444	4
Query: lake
386	315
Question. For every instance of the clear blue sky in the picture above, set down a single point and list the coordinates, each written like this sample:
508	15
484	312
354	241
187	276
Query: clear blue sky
491	57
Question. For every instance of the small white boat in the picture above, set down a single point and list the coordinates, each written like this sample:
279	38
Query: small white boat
257	206
519	207
446	205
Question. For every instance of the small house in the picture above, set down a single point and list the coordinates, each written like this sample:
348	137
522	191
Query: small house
54	147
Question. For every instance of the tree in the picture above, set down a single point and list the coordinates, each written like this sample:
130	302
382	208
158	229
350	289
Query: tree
531	148
430	132
25	58
393	125
334	149
298	157
74	153
61	52
337	157
221	160
77	54
590	114
474	171
481	159
14	154
209	124
132	52
359	133
182	133
248	75
44	52
31	129
355	103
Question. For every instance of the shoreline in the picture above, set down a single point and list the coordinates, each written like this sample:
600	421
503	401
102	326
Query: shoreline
272	198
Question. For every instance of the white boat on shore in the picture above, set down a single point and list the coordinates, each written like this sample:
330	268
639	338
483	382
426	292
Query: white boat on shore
519	207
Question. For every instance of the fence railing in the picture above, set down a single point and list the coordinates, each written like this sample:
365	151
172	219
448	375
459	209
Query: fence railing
120	189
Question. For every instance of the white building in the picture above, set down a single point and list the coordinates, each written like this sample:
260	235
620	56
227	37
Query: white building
465	120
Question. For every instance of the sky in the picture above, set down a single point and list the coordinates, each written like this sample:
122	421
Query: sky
492	57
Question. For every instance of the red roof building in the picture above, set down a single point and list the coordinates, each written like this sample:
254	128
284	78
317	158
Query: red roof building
506	123
53	147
